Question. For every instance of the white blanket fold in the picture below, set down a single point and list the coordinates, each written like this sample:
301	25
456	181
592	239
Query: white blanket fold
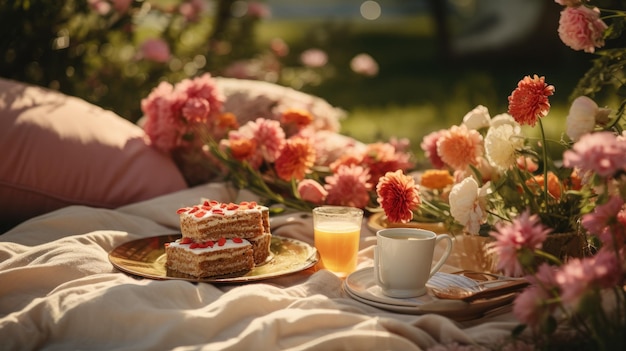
59	291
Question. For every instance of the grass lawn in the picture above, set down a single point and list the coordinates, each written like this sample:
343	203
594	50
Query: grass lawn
417	91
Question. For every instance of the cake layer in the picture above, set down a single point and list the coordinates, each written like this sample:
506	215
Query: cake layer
261	247
212	220
209	258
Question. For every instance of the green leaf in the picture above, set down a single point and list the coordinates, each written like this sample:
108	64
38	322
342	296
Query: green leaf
518	330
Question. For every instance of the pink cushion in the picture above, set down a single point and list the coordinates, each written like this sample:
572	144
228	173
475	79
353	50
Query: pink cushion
59	150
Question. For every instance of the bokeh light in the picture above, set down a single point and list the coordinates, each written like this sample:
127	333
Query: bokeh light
370	10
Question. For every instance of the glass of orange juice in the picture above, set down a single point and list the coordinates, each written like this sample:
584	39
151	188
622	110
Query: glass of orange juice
337	231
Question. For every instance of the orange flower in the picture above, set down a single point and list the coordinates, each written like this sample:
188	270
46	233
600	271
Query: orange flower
575	182
227	121
529	101
346	160
436	179
398	195
459	147
242	149
554	186
301	118
296	158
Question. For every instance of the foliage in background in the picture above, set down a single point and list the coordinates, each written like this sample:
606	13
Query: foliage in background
416	90
96	49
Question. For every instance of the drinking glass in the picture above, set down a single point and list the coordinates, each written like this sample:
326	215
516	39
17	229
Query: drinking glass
337	232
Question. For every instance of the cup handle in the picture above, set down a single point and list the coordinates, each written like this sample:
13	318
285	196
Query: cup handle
445	255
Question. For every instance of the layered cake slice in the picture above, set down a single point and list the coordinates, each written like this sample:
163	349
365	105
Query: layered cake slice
209	258
212	220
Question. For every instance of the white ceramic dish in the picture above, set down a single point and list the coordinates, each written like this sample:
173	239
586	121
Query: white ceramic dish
362	287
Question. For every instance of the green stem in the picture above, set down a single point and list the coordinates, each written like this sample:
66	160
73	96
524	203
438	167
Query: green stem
616	123
544	152
550	257
616	13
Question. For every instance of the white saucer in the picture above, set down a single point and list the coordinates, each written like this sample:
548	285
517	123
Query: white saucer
434	307
361	286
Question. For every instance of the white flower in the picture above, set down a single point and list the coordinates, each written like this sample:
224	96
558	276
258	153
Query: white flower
477	118
503	118
582	117
501	144
467	203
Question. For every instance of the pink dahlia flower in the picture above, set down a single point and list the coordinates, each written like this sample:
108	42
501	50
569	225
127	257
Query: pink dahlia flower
526	232
581	28
162	124
601	153
269	137
312	191
349	186
173	112
602	215
203	87
579	276
429	146
530	306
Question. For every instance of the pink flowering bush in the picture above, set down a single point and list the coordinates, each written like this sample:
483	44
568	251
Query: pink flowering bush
580	303
290	153
581	297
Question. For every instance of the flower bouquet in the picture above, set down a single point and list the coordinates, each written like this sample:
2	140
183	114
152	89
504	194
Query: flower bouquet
278	143
490	171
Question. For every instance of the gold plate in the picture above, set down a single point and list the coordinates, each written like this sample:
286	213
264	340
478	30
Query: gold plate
146	258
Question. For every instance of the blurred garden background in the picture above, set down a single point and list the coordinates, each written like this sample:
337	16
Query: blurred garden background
432	61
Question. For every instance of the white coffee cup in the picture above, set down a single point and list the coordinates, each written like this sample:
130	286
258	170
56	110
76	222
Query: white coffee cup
403	260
